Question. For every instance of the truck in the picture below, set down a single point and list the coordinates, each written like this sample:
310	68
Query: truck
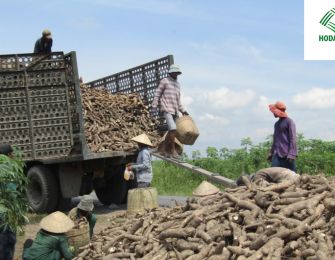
41	114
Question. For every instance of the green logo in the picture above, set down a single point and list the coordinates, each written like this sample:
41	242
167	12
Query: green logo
326	20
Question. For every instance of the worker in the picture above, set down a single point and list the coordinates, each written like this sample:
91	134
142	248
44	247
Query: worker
84	209
270	175
50	241
142	168
7	236
43	45
167	97
284	147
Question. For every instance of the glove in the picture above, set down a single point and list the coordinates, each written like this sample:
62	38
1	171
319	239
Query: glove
185	113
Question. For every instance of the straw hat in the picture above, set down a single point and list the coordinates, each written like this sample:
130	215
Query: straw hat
142	139
86	203
57	223
205	189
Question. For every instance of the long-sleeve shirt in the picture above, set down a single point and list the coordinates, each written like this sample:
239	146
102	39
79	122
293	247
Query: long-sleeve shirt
49	246
42	46
275	175
284	139
168	96
91	219
143	166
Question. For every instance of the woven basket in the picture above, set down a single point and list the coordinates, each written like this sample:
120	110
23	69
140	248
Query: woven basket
187	131
141	199
79	237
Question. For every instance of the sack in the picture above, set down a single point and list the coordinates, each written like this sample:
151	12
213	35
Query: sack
187	131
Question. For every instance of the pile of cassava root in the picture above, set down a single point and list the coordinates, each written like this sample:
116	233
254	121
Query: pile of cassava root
111	120
289	220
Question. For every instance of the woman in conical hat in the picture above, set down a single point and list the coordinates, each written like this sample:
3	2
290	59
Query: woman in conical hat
142	167
50	241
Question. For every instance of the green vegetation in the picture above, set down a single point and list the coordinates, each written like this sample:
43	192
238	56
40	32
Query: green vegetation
13	205
315	157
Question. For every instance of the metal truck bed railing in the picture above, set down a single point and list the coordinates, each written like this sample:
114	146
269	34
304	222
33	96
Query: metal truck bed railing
142	79
37	107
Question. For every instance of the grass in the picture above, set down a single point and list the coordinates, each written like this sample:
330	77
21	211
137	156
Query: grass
171	180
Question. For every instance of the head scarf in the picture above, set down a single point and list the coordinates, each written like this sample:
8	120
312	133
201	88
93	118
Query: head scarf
278	109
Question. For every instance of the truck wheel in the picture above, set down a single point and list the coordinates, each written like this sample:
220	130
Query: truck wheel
42	190
112	188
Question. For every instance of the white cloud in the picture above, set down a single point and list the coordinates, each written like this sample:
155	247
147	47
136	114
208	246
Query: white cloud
224	98
210	118
186	100
318	98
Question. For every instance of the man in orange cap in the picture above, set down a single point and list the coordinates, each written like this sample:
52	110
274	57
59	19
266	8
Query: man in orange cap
284	148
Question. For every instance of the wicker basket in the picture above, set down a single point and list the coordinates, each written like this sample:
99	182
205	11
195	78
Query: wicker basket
79	237
187	131
141	199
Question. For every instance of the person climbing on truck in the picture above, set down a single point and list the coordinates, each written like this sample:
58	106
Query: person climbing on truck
43	45
167	97
84	209
142	167
51	241
284	147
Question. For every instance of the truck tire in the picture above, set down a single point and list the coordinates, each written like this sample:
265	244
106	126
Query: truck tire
42	189
112	188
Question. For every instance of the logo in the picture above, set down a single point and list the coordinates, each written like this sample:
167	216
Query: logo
327	20
319	29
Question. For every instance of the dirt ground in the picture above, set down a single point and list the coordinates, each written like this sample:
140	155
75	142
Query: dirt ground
103	214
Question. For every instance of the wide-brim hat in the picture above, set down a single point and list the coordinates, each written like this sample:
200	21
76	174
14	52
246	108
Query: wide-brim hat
205	189
278	109
86	203
174	69
142	139
57	223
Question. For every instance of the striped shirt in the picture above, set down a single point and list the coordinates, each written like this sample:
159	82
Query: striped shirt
168	95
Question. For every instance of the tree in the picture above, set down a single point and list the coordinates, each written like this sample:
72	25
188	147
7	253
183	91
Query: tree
13	205
212	152
246	142
196	154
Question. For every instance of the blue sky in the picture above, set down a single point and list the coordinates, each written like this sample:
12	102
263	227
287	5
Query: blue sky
236	56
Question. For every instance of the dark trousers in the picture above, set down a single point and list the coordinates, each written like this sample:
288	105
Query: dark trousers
7	245
283	162
143	184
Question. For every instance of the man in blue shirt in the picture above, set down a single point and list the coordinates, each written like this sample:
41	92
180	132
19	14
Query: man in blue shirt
284	148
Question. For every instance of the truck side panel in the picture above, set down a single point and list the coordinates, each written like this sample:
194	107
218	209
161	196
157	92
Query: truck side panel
35	105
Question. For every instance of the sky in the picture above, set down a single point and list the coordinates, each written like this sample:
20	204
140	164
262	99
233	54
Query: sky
236	56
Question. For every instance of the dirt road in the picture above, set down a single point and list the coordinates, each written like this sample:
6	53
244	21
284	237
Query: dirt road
103	214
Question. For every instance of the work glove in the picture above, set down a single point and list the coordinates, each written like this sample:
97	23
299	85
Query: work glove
185	113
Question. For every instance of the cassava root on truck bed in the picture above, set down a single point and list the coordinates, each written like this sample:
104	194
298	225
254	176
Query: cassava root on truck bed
229	225
111	120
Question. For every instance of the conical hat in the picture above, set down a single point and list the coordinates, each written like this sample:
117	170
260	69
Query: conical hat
56	222
205	189
142	139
